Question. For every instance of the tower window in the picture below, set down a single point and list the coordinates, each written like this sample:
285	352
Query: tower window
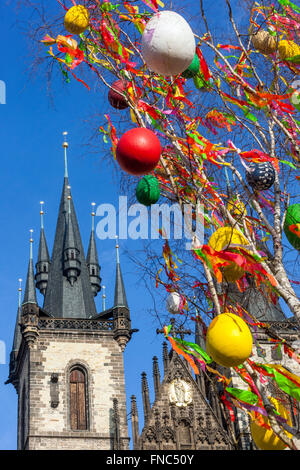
78	399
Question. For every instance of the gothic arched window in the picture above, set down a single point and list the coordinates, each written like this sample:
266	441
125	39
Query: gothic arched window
78	399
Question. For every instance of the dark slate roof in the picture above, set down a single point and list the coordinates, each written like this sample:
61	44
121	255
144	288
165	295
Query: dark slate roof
92	255
17	335
257	304
62	300
120	294
30	292
43	248
70	240
199	339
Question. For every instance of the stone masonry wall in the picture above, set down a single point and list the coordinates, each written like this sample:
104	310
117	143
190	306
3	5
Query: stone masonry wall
56	352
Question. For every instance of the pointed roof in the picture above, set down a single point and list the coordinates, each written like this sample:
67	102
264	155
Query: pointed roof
17	334
43	248
92	255
63	300
70	240
120	294
199	338
257	304
30	292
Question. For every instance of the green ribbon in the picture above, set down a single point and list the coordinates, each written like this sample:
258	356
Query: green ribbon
290	4
243	395
193	349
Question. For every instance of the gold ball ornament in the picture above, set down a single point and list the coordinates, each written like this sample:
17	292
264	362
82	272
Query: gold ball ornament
228	340
223	239
288	49
266	439
264	42
77	19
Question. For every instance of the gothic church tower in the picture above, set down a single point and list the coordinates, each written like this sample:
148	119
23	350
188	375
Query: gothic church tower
66	362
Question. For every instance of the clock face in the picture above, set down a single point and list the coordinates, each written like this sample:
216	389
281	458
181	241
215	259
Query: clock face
180	393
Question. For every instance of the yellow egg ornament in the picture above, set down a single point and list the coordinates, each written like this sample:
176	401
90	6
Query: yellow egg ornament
228	340
288	49
223	239
266	439
77	19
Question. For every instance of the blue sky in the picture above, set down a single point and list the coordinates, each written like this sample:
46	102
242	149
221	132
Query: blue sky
32	170
32	122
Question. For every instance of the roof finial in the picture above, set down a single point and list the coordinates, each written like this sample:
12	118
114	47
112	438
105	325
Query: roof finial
31	242
93	215
117	247
103	298
20	292
65	146
42	213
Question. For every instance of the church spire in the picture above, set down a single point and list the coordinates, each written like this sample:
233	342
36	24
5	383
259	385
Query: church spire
92	258
43	262
120	294
156	377
30	293
69	293
17	334
17	338
146	398
71	263
134	423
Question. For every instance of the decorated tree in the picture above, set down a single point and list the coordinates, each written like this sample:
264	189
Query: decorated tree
210	124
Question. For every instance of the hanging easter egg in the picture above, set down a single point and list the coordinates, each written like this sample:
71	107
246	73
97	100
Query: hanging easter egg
138	151
116	95
168	43
295	98
228	340
260	176
223	239
288	49
174	302
76	19
192	69
264	437
264	42
148	191
292	225
236	207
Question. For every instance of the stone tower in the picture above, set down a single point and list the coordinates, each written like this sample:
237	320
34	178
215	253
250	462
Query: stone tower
66	362
181	415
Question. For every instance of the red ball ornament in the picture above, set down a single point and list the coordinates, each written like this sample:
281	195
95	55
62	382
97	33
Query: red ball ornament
138	151
115	95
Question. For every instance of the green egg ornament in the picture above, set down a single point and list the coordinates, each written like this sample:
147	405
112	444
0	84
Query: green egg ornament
292	218
148	191
192	69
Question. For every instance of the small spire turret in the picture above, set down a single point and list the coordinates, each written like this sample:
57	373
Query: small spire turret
43	262
121	314
92	258
30	293
71	263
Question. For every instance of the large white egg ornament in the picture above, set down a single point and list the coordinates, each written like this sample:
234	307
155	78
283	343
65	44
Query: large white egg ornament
173	303
168	43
